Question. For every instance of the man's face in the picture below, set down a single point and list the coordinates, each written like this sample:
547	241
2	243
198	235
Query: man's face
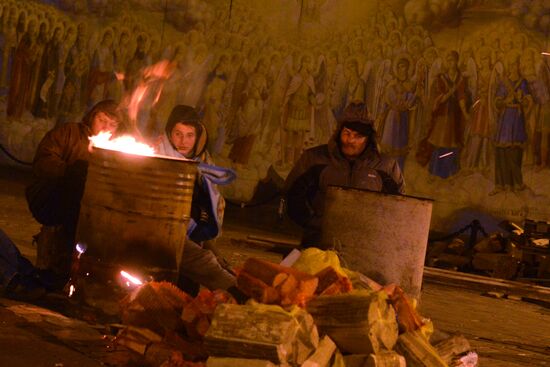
352	143
183	137
105	123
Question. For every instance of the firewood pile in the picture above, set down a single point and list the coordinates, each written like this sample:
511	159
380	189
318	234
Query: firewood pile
516	253
312	314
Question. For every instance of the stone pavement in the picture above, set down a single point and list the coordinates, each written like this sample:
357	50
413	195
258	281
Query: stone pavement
504	332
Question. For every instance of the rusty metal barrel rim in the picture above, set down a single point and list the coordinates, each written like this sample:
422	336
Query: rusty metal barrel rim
381	193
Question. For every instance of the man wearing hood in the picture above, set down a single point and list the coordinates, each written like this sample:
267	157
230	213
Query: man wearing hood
59	167
351	159
187	138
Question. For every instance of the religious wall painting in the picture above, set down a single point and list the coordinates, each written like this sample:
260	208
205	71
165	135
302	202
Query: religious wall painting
455	89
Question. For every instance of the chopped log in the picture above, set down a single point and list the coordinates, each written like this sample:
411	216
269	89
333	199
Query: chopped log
385	359
490	244
136	339
456	246
155	305
132	344
196	314
503	266
191	350
407	317
142	334
359	322
327	277
418	352
257	277
158	353
234	362
331	282
279	279
289	290
288	285
267	271
263	332
322	355
452	347
355	360
256	288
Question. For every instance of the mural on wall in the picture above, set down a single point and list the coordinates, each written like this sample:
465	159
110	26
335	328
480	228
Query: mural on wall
459	90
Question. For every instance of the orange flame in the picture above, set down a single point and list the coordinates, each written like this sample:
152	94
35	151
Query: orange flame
71	290
153	76
130	279
126	144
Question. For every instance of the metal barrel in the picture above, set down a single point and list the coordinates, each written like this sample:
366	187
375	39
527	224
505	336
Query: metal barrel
134	213
382	236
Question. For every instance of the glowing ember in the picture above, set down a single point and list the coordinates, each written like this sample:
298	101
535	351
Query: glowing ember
71	290
545	53
80	248
119	76
446	155
130	278
126	144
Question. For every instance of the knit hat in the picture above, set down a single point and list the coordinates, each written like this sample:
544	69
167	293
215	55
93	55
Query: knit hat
363	127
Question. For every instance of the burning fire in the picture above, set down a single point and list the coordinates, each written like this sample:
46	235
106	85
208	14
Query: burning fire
126	144
154	76
130	279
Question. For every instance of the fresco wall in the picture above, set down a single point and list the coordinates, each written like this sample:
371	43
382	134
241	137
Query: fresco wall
459	89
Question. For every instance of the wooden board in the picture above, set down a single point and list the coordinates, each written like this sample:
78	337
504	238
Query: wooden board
485	284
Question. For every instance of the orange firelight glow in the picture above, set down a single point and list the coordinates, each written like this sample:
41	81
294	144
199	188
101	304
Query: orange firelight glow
126	144
130	279
152	75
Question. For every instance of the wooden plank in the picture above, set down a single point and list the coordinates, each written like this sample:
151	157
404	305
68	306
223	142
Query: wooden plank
485	284
275	241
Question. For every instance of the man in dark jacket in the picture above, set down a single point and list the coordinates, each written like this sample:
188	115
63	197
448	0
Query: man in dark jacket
60	166
350	159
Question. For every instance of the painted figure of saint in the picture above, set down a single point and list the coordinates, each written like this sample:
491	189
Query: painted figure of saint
298	108
24	64
250	117
400	99
513	100
447	120
478	149
9	36
101	70
46	101
73	97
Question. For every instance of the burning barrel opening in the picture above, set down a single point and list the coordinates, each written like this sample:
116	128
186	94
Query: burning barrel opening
382	236
134	214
